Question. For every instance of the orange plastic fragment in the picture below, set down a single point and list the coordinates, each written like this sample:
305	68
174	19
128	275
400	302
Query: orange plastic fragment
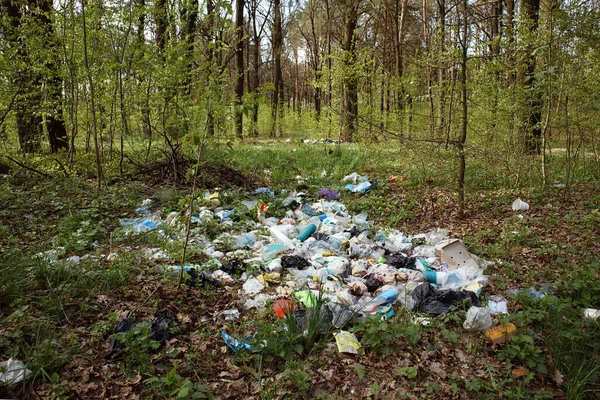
282	307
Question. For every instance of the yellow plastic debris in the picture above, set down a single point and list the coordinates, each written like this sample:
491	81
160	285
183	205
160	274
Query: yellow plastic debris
501	334
347	342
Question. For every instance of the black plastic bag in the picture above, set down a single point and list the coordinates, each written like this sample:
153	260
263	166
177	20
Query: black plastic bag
399	260
200	279
124	325
373	283
295	262
233	266
436	302
159	330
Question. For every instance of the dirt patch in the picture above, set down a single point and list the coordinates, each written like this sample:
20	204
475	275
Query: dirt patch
176	171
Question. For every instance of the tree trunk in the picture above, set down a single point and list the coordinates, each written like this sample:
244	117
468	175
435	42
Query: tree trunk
401	28
510	41
162	23
254	83
55	124
92	98
210	16
440	128
190	14
463	132
29	123
277	104
239	63
350	80
530	114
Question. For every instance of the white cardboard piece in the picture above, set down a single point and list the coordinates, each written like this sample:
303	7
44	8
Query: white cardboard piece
454	253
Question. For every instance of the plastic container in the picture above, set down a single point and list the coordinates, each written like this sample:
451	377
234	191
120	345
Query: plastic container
520	205
307	232
139	225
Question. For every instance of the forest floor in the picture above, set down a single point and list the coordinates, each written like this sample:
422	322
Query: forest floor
58	317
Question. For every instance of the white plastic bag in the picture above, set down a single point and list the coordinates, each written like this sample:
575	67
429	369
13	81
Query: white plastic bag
478	319
252	286
14	371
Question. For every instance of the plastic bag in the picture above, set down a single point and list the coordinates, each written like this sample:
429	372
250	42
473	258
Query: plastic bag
479	319
498	304
139	225
347	342
252	286
436	302
14	371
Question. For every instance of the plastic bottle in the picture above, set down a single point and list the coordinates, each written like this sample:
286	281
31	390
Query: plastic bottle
309	230
281	237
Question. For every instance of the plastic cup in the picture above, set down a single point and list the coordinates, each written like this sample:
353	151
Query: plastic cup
520	205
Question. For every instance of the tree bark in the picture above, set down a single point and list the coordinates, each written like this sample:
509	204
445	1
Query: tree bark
210	16
55	124
190	14
92	99
26	83
277	104
350	80
162	24
440	128
254	81
510	41
238	114
463	132
531	109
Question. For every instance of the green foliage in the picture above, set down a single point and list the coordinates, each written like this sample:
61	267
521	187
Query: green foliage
386	336
360	371
59	388
101	328
296	379
174	386
138	344
571	341
581	286
408	372
521	349
37	343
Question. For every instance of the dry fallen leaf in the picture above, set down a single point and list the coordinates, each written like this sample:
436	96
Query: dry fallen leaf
518	372
436	368
558	377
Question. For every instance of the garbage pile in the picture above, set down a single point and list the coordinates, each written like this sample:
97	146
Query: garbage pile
318	249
